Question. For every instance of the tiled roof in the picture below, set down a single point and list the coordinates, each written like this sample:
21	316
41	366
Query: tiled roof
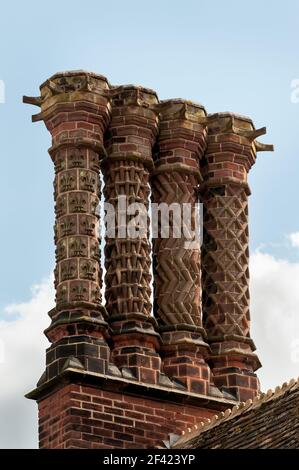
271	421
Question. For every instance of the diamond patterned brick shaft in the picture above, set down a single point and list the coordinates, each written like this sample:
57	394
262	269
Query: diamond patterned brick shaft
230	154
129	141
226	215
76	110
177	282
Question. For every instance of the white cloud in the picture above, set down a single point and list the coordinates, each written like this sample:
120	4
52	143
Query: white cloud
294	239
22	345
275	330
275	317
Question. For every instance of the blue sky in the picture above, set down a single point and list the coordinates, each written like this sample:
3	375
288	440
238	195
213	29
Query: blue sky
227	55
230	56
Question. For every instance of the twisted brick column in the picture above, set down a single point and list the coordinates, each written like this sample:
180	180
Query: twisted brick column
75	110
230	154
126	170
177	284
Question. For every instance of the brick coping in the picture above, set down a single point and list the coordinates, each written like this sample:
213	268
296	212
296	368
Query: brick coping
130	387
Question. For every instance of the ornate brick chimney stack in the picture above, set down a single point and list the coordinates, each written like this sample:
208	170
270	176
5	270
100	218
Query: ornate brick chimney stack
176	253
126	169
230	154
123	375
76	111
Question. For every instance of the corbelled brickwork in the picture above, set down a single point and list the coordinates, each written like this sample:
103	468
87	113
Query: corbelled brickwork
123	375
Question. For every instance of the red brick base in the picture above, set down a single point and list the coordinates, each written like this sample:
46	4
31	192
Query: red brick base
81	416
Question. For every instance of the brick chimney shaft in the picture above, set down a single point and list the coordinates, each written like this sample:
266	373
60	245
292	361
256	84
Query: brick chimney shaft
76	111
176	255
129	140
230	154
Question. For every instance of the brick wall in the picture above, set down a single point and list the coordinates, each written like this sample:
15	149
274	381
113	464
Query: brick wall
81	416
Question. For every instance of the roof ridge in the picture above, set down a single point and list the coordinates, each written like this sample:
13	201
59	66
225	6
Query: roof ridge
242	407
